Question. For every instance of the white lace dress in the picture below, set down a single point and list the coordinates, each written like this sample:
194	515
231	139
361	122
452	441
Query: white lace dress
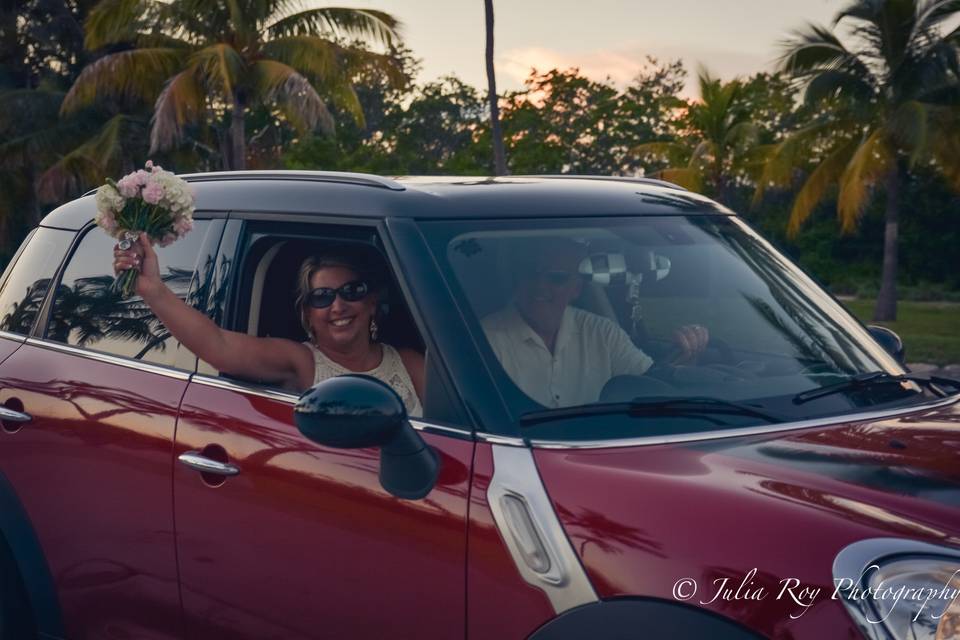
390	370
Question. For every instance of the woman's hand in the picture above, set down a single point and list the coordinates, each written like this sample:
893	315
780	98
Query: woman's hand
142	257
690	341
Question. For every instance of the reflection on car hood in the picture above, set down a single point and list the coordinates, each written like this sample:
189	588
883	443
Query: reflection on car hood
779	505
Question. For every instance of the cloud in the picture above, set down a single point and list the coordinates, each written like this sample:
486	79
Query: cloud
622	64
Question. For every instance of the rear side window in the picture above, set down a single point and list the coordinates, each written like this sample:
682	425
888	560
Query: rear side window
29	278
87	314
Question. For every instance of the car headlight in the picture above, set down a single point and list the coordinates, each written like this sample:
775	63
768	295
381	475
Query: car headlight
900	589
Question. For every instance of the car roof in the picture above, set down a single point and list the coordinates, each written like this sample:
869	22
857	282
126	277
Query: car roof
422	197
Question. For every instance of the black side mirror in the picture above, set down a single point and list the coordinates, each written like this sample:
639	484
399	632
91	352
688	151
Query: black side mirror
889	340
358	411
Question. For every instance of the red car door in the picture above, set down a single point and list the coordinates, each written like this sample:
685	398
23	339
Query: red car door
91	467
289	539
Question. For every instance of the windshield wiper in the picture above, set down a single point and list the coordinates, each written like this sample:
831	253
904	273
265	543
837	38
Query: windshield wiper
697	406
872	378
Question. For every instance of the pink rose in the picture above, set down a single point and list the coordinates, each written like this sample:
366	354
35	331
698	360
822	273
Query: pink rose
128	186
153	192
142	177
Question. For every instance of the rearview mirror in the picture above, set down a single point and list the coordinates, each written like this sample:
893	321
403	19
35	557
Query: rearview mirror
357	411
608	268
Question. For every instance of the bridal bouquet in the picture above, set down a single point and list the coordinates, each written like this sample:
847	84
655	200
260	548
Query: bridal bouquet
153	201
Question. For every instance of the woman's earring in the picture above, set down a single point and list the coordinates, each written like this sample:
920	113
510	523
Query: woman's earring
374	329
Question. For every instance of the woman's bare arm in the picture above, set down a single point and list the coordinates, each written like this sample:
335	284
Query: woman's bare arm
273	360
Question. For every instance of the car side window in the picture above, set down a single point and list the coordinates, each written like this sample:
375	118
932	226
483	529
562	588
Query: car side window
265	294
29	278
87	313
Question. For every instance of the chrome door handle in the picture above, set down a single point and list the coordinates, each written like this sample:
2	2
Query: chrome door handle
199	462
14	416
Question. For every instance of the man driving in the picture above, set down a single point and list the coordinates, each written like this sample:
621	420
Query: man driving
556	353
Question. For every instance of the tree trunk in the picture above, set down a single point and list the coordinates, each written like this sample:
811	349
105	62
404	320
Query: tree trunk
499	156
886	309
238	142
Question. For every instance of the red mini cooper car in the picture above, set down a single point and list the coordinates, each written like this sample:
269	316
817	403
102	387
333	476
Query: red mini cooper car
639	421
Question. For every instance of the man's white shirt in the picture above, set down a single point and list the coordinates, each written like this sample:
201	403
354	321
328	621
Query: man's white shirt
589	350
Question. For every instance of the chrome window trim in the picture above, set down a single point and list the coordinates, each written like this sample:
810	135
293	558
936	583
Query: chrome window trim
291	398
506	441
12	336
438	429
645	441
230	385
515	475
854	560
109	359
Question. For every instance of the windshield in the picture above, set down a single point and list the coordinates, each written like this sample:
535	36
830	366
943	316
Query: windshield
655	309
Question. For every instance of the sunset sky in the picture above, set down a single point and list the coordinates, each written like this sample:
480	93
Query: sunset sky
601	37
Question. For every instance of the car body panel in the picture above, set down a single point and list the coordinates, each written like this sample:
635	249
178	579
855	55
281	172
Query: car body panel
92	471
304	542
756	511
500	603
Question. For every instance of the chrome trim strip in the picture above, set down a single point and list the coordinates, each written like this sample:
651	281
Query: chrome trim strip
643	441
12	336
230	385
506	441
855	560
439	429
515	475
109	359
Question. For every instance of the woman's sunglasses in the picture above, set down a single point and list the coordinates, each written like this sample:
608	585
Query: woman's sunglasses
323	297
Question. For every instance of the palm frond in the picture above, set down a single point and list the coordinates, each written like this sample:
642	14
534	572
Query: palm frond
815	48
703	149
345	97
826	173
114	21
871	161
89	163
314	57
685	177
368	24
221	67
741	133
135	74
833	83
932	13
275	81
180	103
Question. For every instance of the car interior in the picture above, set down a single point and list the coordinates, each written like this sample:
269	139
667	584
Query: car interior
267	306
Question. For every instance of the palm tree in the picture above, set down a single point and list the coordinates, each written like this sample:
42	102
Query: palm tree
499	156
719	133
892	98
203	62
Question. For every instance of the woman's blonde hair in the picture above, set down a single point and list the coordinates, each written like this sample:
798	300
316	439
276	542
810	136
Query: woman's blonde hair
343	258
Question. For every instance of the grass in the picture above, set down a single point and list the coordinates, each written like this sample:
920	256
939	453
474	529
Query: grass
930	330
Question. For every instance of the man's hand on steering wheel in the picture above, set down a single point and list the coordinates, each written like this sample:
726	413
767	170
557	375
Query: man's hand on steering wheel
690	340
